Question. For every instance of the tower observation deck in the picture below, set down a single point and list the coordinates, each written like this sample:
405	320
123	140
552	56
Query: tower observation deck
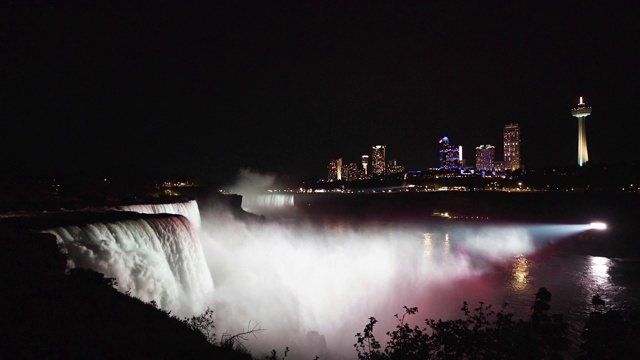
581	112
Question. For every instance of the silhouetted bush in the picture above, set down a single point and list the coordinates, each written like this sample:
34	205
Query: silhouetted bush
480	334
203	323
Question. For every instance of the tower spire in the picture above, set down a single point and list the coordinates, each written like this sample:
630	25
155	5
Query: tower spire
581	112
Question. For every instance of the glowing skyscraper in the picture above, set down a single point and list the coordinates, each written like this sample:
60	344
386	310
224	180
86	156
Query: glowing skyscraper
511	137
378	160
335	170
485	157
581	112
450	155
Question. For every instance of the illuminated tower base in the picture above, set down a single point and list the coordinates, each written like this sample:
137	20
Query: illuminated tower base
583	155
365	162
581	112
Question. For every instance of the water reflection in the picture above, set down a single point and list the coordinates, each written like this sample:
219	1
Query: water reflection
520	273
599	270
447	245
428	245
435	247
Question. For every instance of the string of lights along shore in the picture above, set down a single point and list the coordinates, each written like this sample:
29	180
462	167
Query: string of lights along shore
452	163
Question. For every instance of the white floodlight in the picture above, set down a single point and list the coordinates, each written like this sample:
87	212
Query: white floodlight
598	225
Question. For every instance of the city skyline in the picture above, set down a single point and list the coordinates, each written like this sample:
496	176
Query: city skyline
450	159
182	90
511	145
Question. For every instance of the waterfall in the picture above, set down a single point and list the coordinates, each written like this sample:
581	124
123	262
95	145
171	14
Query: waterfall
188	209
154	257
267	201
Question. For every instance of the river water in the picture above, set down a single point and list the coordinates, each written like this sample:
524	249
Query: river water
331	261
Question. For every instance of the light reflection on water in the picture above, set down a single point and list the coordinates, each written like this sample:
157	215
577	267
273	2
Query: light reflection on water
447	245
599	271
428	245
573	279
506	272
520	272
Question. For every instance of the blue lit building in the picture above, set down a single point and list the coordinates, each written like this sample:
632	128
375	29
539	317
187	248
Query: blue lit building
450	155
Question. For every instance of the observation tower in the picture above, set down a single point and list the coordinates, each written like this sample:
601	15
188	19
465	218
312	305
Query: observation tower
581	112
365	162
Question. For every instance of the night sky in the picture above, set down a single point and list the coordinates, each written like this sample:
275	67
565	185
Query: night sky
207	88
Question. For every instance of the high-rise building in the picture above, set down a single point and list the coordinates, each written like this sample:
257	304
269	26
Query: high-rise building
335	170
511	136
485	157
365	162
498	166
378	160
393	167
581	112
350	172
450	158
332	171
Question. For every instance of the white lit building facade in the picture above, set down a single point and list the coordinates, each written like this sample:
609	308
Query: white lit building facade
511	137
335	170
378	164
485	157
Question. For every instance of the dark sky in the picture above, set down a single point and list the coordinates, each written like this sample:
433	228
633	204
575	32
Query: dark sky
208	88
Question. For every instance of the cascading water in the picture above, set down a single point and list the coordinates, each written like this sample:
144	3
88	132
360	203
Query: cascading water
157	258
256	202
188	209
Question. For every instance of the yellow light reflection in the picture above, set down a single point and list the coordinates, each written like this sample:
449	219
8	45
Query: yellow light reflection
428	245
447	245
520	273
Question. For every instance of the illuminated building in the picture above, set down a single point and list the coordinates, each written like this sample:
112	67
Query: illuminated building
394	168
365	162
449	155
335	170
581	112
351	172
378	160
485	157
511	136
